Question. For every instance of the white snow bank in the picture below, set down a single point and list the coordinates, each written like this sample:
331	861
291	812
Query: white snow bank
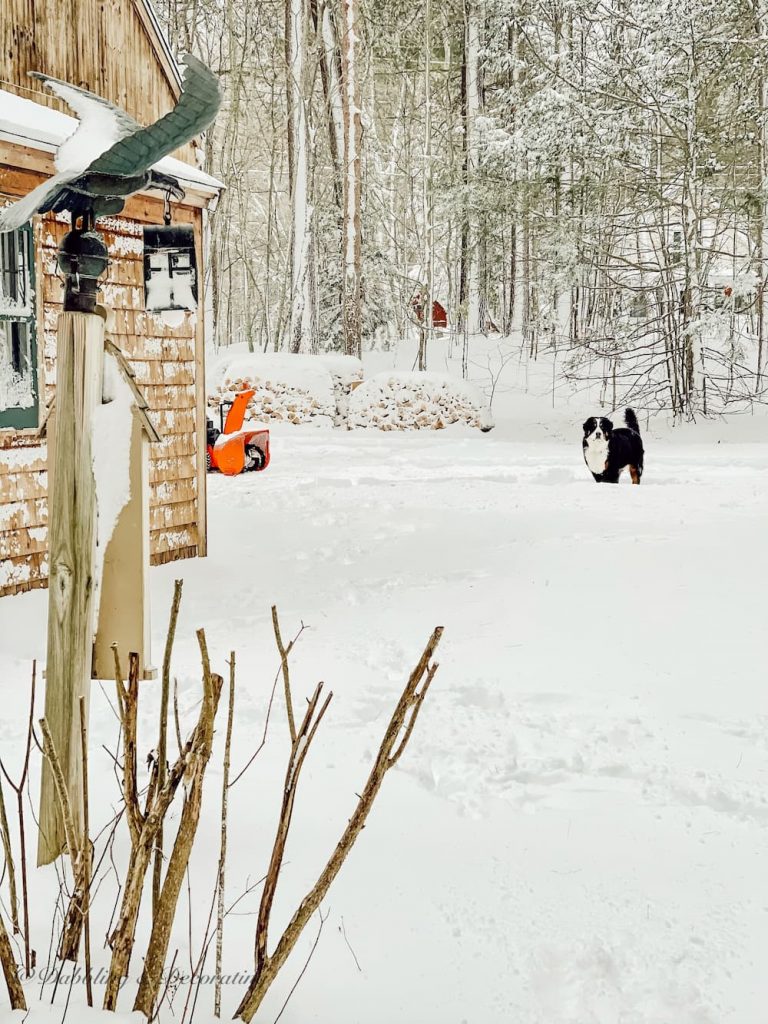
414	401
610	812
111	457
305	373
345	368
41	1013
296	388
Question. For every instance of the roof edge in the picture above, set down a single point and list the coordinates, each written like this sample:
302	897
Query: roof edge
160	43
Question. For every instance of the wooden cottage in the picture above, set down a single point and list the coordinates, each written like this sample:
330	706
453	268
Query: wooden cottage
115	49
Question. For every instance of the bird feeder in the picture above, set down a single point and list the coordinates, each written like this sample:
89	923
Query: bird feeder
170	269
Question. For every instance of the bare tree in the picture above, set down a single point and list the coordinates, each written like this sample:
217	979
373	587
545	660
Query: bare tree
352	315
10	970
395	740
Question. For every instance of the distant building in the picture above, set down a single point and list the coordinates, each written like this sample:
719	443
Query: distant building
648	254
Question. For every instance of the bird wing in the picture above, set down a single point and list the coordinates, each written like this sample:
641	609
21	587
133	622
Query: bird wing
12	217
102	124
197	107
109	141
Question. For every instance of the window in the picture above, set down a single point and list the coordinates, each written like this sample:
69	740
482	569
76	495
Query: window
18	342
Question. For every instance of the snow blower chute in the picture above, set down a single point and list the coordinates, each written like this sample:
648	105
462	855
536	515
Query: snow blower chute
234	449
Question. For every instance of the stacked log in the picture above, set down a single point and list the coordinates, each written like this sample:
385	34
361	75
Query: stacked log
273	400
417	401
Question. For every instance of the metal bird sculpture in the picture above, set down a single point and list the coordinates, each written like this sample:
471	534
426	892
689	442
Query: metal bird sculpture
110	156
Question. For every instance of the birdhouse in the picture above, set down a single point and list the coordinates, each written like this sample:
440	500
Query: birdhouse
170	269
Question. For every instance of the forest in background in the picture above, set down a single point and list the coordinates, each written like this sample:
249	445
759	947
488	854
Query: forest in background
578	176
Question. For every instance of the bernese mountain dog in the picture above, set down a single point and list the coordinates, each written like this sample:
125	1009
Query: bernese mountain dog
607	451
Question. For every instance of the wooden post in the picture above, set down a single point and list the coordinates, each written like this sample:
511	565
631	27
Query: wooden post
71	547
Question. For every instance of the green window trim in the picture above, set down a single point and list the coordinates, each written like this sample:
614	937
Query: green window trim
17	418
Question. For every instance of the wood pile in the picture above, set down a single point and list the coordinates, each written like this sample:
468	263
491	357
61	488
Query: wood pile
288	388
417	401
273	400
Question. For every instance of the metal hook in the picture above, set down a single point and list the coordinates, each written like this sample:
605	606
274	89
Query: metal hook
167	209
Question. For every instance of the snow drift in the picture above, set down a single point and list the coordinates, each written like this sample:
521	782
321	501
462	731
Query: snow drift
292	388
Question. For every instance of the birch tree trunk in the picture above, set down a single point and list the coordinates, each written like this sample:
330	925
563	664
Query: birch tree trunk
302	316
761	253
472	15
352	314
325	29
694	356
426	198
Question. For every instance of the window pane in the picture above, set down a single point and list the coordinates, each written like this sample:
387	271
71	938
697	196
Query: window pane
18	350
17	366
15	290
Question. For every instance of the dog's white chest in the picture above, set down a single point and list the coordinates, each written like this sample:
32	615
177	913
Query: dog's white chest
596	454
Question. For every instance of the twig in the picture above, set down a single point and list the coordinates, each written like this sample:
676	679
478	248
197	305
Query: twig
223	849
296	760
262	744
176	722
162	743
143	827
73	919
303	970
10	971
343	931
208	938
286	674
5	836
19	790
61	789
200	745
86	847
403	718
168	980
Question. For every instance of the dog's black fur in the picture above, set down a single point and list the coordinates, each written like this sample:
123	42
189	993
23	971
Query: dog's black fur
624	447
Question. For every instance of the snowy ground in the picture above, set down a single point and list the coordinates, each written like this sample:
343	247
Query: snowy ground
578	831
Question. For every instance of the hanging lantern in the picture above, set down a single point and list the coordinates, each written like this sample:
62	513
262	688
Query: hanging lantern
170	269
82	259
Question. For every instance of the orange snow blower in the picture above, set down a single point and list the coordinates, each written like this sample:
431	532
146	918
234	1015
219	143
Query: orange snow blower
232	449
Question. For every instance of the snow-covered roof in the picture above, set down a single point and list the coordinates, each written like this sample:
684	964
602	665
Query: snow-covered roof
39	127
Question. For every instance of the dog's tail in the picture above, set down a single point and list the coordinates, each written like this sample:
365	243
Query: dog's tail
631	420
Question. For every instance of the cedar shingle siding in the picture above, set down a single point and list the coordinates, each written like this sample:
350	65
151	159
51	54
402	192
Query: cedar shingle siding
105	46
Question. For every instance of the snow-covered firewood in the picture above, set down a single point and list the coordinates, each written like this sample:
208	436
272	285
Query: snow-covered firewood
417	401
292	388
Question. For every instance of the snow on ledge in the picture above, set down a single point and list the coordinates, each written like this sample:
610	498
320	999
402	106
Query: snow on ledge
31	124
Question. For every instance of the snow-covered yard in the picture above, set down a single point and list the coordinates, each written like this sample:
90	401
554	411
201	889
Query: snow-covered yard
577	832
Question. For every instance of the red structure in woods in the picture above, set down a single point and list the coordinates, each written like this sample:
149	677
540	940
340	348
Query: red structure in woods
439	314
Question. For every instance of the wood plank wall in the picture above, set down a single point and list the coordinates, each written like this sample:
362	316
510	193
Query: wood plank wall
105	46
168	366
